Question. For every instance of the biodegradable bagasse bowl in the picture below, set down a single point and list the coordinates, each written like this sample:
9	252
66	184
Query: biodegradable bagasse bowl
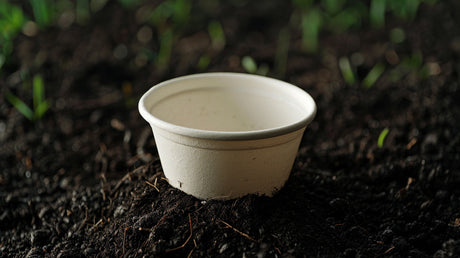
226	135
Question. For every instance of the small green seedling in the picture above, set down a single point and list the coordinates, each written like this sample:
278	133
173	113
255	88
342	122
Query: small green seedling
311	26
217	35
11	21
347	71
377	13
251	67
82	10
333	6
249	64
164	53
382	137
203	62
169	18
373	75
406	9
44	12
410	65
40	105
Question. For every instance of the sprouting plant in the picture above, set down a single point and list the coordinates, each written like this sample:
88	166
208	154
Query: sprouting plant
164	53
333	6
217	34
382	137
11	22
346	19
337	16
405	9
171	13
203	62
347	71
373	75
377	13
169	18
311	25
40	105
349	76
251	66
82	11
44	12
412	64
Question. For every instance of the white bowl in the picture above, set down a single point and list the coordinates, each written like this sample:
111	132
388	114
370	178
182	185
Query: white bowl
226	135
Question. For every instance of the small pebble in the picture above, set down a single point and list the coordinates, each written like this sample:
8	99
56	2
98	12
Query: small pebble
89	251
119	211
223	248
387	235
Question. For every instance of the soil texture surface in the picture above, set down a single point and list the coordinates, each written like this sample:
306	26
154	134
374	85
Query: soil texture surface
86	180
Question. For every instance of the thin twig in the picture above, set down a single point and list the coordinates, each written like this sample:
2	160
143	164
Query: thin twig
97	224
278	250
152	185
389	250
186	241
124	239
239	232
191	252
411	143
386	252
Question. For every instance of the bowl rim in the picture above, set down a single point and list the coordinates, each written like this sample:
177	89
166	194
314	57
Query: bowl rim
227	135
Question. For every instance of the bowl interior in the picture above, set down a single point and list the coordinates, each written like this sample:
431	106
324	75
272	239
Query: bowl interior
225	109
224	102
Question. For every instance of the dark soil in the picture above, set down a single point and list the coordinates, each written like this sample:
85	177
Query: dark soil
75	182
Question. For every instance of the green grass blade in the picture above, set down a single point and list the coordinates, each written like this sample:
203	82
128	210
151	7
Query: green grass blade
333	6
412	7
217	34
181	12
82	11
164	54
40	110
43	11
204	62
20	106
347	71
382	137
38	90
377	13
373	75
249	64
311	25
